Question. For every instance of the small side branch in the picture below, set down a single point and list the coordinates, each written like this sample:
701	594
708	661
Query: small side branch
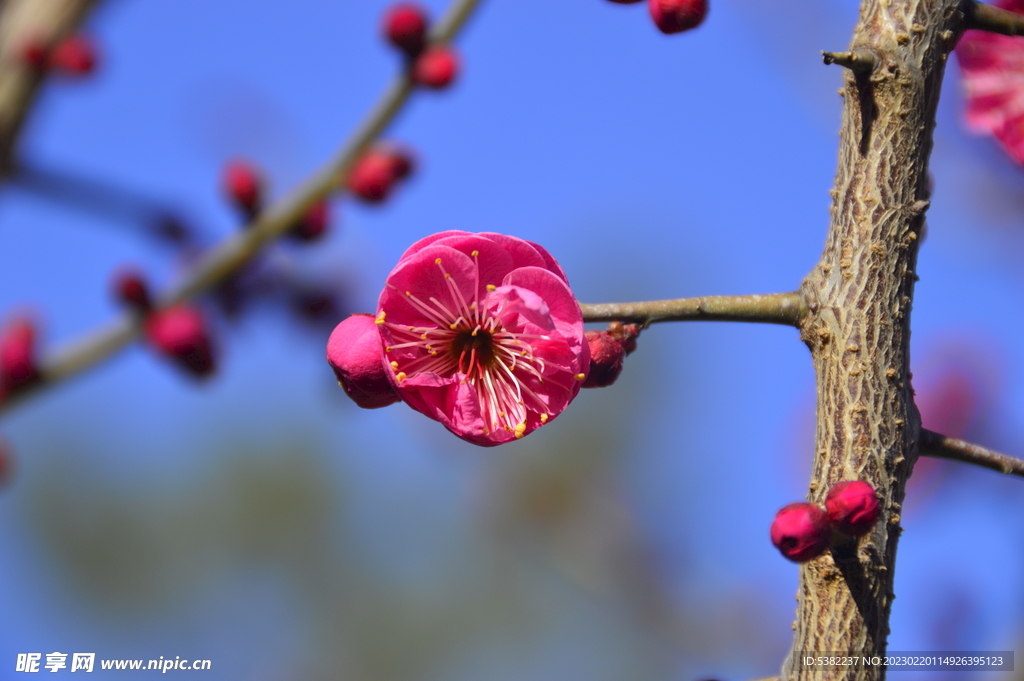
775	308
942	447
984	17
861	62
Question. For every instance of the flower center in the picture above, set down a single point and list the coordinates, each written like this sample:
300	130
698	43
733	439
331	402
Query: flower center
473	349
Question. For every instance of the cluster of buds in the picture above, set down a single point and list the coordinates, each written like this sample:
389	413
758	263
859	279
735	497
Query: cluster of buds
405	26
608	349
179	332
72	56
674	16
803	531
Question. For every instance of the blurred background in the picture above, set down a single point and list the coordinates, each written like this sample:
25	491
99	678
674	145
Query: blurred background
262	521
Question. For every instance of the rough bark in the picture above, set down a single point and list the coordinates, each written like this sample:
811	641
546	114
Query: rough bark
858	327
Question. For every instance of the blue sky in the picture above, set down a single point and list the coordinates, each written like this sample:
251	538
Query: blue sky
262	521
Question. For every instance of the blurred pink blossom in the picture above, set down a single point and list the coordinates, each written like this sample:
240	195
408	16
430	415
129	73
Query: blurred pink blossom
993	73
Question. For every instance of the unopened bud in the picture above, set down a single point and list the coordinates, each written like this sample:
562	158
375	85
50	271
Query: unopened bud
314	223
675	16
35	53
436	67
354	352
75	55
18	364
131	289
606	355
852	507
801	532
376	173
243	186
180	333
626	334
405	27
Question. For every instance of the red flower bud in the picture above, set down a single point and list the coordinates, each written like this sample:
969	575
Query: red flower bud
35	53
606	355
314	223
243	186
801	532
436	67
405	26
130	288
180	333
626	334
675	16
375	174
354	352
852	507
18	366
75	55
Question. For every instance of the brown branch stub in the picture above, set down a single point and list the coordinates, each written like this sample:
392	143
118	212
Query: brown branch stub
775	308
940	446
983	17
862	62
237	250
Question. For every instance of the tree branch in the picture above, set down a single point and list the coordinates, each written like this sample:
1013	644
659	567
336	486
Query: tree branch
984	17
235	251
942	447
775	308
21	20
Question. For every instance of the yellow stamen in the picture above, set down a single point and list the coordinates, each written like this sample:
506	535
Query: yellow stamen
394	365
400	376
543	418
580	377
380	317
438	261
475	253
520	430
491	287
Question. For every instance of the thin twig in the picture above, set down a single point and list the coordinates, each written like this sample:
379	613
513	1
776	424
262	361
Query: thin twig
234	252
20	21
773	308
994	19
941	447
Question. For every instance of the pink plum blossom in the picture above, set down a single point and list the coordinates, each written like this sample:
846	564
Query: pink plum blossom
993	73
481	333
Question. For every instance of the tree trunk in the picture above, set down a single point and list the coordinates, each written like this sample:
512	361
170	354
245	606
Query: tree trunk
858	327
